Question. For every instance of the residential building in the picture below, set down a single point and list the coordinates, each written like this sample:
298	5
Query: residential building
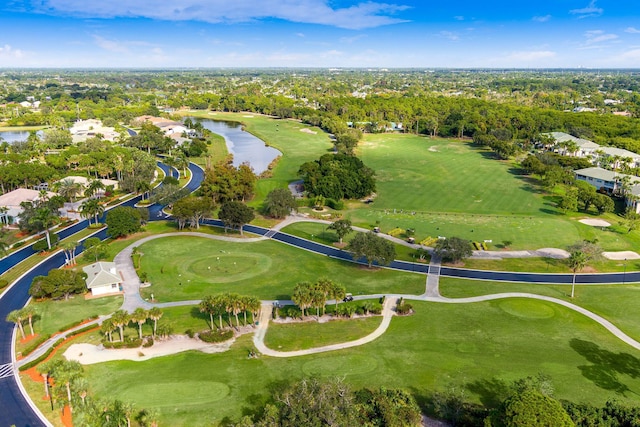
103	278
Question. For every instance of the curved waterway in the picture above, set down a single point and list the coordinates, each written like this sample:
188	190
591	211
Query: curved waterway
244	146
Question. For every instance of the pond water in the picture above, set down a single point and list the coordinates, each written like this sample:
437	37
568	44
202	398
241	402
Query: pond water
244	146
12	136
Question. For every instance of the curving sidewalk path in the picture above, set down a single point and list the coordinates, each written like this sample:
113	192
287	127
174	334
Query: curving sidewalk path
265	316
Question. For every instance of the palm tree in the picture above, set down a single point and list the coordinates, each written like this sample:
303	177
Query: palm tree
576	261
302	296
67	372
69	249
120	318
4	248
91	208
367	306
29	312
220	302
69	189
143	187
45	369
16	316
235	304
253	304
207	305
43	219
93	187
155	314
139	316
107	328
337	292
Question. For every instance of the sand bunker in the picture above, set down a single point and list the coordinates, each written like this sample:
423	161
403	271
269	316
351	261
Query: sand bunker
88	354
621	256
595	222
307	130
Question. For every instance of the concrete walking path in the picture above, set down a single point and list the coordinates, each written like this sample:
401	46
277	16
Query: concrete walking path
265	316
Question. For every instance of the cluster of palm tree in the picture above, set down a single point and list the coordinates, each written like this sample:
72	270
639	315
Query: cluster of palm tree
91	208
19	316
315	295
122	318
229	304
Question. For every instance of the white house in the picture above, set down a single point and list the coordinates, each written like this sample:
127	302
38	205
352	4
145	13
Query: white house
11	202
103	278
584	147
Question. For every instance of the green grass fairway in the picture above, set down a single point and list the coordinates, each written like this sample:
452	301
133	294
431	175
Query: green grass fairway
616	303
186	268
436	175
300	336
479	347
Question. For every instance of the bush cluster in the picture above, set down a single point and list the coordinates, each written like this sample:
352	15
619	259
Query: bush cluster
216	336
128	343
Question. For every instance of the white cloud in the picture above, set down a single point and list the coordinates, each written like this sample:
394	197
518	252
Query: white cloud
632	30
598	36
544	18
7	52
449	35
357	16
110	45
459	18
353	39
589	11
300	35
531	55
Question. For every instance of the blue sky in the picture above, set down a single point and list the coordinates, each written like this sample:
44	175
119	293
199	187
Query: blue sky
320	33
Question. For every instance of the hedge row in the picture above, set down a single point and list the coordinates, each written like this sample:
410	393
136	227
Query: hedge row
46	354
216	336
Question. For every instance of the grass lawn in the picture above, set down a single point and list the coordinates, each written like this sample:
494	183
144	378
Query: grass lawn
310	334
479	347
616	303
437	175
287	136
53	315
216	151
186	268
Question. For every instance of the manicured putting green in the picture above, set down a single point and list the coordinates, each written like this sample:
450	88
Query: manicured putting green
527	309
226	268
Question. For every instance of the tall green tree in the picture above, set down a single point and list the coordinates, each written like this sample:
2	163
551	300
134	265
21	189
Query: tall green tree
122	221
235	214
342	227
279	203
453	249
373	248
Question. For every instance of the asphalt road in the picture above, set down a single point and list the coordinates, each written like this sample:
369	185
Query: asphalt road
14	409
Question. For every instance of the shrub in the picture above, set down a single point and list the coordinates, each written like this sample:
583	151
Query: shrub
18	244
148	342
335	204
128	343
81	330
291	311
189	333
46	354
35	344
216	336
3	283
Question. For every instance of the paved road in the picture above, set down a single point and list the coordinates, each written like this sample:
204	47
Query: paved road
14	409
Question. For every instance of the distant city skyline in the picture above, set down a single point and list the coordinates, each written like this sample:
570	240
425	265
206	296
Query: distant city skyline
319	33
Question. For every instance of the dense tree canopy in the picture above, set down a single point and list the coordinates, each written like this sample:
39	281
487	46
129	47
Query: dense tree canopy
279	203
337	177
235	214
122	221
58	284
373	248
